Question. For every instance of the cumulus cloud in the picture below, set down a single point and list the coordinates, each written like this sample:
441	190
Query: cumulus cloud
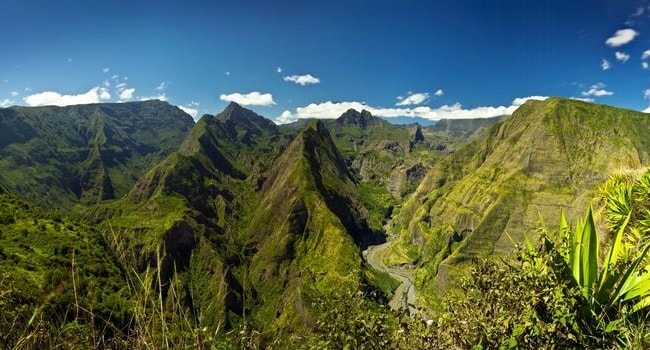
413	99
104	94
6	103
597	90
302	79
621	37
622	56
645	54
285	117
126	94
52	98
605	65
645	65
332	110
278	70
106	70
14	93
250	99
439	92
189	110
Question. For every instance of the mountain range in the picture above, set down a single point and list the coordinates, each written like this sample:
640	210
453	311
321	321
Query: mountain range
244	223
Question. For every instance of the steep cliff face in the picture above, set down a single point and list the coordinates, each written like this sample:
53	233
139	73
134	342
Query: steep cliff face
307	230
274	219
546	157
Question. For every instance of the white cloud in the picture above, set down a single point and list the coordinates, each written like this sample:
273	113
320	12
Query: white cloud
278	70
6	103
439	92
250	99
597	90
621	37
521	100
286	117
227	73
126	94
162	86
302	79
605	65
583	99
622	56
106	70
189	110
646	95
645	65
120	87
160	97
14	93
413	99
104	94
645	54
51	98
332	110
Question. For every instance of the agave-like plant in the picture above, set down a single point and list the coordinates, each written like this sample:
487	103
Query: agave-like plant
616	289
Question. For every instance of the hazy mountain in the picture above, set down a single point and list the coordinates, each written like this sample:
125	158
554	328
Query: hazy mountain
465	127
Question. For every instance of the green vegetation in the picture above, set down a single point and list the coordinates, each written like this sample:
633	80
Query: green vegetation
60	157
548	155
244	234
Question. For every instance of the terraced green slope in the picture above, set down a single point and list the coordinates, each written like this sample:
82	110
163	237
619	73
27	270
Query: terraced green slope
546	157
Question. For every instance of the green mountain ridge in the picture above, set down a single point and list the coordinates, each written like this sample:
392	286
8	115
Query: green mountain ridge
256	209
235	224
59	156
547	156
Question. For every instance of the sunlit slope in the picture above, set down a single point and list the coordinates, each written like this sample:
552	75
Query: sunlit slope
549	155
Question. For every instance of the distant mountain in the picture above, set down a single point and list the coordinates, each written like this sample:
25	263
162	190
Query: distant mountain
465	127
60	156
549	155
409	121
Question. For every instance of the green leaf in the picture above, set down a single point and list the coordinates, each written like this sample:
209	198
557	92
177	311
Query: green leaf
589	252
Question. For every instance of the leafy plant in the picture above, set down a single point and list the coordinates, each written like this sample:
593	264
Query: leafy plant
611	292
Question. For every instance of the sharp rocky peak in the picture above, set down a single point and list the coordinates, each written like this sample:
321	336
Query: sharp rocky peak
354	117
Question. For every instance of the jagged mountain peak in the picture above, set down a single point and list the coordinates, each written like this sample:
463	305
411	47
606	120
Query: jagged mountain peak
244	125
360	119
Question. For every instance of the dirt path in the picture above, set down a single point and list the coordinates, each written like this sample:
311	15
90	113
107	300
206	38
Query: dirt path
404	294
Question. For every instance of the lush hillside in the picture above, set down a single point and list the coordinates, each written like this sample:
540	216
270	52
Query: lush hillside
240	233
59	156
547	156
245	220
307	233
59	282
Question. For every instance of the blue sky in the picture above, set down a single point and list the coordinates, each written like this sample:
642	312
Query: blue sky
302	58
